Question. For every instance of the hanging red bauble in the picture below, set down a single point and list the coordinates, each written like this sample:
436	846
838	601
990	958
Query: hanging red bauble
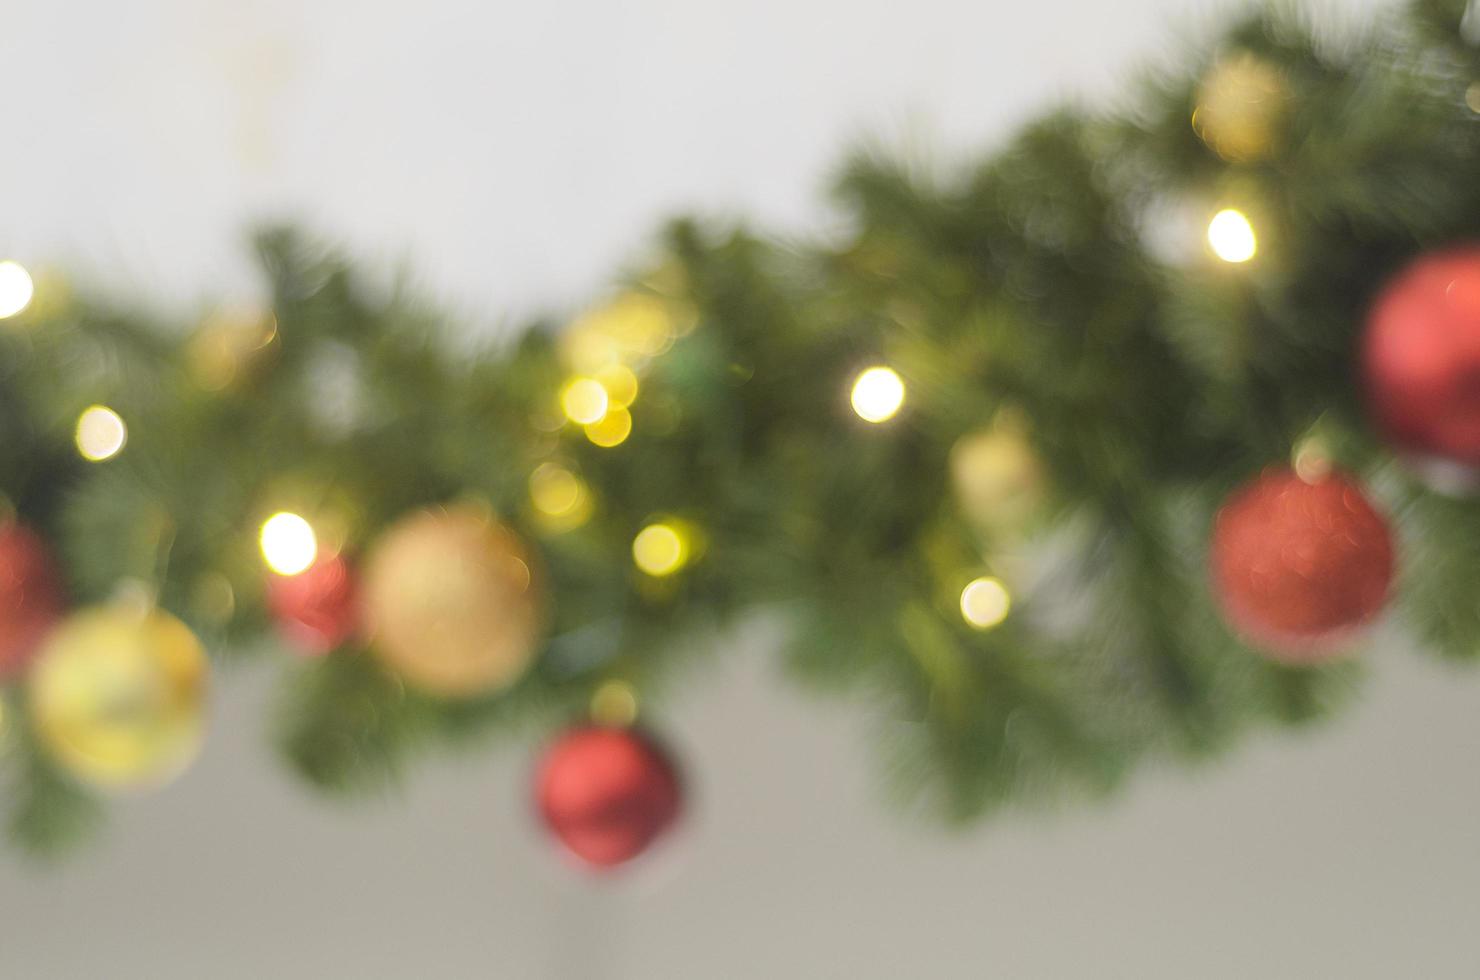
30	596
1299	567
317	609
1421	357
607	793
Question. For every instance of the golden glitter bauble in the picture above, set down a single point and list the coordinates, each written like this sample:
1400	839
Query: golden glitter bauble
450	602
998	478
1241	104
117	696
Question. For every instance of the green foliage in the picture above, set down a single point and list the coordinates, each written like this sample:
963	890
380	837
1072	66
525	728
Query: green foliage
1036	283
46	813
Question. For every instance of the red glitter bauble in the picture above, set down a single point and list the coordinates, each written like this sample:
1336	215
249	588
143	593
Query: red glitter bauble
607	793
1299	567
317	609
1421	357
30	596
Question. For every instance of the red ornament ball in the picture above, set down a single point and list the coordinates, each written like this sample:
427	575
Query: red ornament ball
1299	567
607	793
30	596
1421	357
318	609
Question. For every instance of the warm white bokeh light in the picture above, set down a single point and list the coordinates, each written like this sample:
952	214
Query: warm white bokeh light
289	545
100	433
877	394
584	401
16	288
985	602
1231	237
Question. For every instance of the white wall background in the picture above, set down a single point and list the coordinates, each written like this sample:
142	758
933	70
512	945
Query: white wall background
515	154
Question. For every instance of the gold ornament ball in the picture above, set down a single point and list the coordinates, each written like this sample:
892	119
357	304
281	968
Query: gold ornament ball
998	478
117	696
450	603
1241	104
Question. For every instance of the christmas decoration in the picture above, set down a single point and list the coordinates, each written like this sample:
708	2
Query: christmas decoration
117	696
101	433
16	289
1421	357
30	596
318	609
631	329
450	602
607	793
230	347
858	432
878	394
997	477
1300	566
1240	107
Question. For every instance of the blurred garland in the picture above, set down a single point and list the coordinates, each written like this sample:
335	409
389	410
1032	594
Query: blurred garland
1012	558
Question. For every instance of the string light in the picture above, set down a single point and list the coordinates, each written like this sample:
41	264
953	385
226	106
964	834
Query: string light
612	429
615	704
584	401
1311	460
100	433
1241	106
878	394
985	602
620	384
289	545
16	288
554	490
661	549
1231	236
561	498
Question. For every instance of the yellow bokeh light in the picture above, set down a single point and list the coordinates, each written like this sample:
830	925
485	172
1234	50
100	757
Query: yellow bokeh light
877	394
554	490
1241	106
560	498
16	288
612	429
1231	237
620	384
985	602
661	549
584	401
289	545
100	433
614	703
